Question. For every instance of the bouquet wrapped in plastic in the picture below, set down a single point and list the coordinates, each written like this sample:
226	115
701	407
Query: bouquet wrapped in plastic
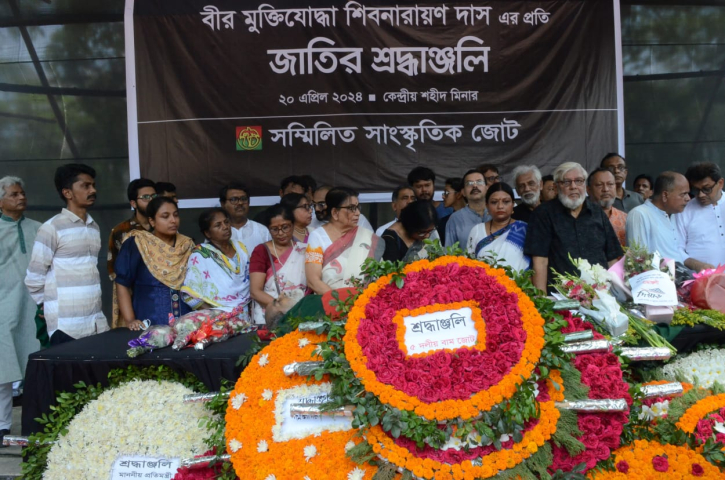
186	325
221	328
156	336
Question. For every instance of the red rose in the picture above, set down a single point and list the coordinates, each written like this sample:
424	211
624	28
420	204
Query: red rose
697	470
660	463
623	466
704	429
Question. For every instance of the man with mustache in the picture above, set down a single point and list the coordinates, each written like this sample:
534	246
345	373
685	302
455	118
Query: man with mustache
462	222
423	182
569	226
701	224
17	234
527	180
63	272
601	188
234	198
139	192
654	224
625	200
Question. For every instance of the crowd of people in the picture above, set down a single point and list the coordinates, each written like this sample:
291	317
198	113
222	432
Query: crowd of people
316	240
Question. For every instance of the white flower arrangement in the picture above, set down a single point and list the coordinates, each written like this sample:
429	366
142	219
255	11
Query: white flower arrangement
238	401
325	424
235	445
349	446
356	474
262	446
310	451
145	418
267	394
263	360
303	342
707	366
657	410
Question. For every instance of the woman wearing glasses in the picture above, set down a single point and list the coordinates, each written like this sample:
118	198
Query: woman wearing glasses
502	237
337	250
277	267
302	213
404	239
151	267
218	269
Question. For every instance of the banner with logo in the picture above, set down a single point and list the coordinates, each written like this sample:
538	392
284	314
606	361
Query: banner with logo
358	93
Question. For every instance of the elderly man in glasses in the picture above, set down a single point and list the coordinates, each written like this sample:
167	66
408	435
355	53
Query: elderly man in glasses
569	226
700	225
624	200
462	222
140	192
654	224
234	198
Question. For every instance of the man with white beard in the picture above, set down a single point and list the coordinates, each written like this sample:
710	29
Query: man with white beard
602	190
527	180
569	226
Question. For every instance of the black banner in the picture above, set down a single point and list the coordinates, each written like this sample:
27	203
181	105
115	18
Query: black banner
358	94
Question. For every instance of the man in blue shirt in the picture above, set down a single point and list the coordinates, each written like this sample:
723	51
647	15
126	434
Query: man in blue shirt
462	222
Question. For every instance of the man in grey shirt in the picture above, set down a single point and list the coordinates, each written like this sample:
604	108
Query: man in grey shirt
624	200
462	222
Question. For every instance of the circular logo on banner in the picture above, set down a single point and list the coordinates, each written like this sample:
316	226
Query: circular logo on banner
249	138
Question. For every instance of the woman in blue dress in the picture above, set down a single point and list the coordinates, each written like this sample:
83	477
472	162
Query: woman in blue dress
151	267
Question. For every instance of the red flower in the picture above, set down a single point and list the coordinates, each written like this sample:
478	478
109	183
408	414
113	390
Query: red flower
660	463
697	470
623	466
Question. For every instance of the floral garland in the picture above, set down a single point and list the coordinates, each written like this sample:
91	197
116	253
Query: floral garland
704	367
475	316
689	421
252	418
654	461
113	425
601	432
521	342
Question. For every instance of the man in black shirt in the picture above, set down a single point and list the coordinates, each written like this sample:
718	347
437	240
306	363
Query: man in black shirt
569	225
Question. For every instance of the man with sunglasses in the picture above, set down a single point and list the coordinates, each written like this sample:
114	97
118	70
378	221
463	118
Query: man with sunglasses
139	192
234	198
654	224
700	225
624	200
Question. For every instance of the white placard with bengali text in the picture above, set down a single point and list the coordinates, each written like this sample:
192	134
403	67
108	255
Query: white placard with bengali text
653	288
298	426
137	466
447	329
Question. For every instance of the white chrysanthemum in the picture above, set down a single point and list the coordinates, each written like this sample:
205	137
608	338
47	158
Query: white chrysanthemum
235	445
303	342
357	474
238	400
263	359
310	451
349	445
707	366
267	394
144	418
262	446
270	477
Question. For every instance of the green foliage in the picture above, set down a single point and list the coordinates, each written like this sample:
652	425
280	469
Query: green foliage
69	404
567	432
573	387
576	473
386	471
256	347
361	453
216	425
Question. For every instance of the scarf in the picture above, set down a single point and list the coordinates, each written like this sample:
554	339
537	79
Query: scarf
167	264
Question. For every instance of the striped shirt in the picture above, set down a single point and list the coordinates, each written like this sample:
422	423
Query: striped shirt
63	275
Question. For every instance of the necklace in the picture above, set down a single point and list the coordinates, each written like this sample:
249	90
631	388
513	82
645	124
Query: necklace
274	246
302	232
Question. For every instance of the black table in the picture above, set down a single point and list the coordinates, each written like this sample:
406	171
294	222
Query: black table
90	359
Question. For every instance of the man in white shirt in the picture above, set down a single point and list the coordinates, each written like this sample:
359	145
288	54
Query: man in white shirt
234	198
700	225
653	224
63	272
402	197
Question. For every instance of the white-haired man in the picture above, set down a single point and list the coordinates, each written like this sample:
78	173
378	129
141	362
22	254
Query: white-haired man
569	226
17	341
527	180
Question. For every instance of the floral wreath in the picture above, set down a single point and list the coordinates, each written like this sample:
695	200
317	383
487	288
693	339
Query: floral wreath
514	337
258	445
653	461
703	417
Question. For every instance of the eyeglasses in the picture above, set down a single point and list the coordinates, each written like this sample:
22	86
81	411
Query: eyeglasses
617	168
425	233
352	208
492	179
706	190
236	200
446	193
474	183
319	205
149	196
283	229
305	206
568	183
